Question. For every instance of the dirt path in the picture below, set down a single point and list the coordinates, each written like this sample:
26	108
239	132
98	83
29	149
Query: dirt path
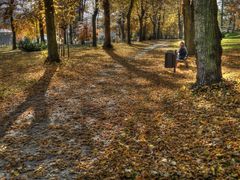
59	123
150	48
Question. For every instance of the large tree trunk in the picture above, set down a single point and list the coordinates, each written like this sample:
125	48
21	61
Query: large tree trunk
53	55
208	42
129	14
94	25
107	24
14	38
188	13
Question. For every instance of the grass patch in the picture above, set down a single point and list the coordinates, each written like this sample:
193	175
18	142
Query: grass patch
231	44
235	35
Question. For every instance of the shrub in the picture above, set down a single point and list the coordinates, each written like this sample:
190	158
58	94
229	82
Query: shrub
29	46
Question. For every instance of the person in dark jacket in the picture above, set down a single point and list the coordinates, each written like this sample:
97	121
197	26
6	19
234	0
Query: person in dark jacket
182	53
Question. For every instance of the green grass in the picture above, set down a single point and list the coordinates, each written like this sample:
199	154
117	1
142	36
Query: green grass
234	35
231	42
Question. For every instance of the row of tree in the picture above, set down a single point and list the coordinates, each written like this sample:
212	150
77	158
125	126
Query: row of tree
230	12
153	19
199	21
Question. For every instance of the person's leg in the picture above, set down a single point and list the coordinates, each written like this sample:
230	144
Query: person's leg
177	60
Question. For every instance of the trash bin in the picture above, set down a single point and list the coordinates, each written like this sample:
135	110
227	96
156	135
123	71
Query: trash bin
170	59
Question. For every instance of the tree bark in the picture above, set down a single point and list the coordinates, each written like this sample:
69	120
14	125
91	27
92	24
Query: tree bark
154	30
107	23
37	31
129	14
81	9
180	25
11	11
222	13
208	42
41	31
141	17
53	55
65	35
159	34
94	25
14	38
122	28
234	23
140	29
41	28
188	14
144	32
71	34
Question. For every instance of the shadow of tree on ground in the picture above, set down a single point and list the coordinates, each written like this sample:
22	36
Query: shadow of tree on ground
153	77
35	99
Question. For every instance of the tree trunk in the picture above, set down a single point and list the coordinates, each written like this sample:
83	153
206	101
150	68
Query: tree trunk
107	24
208	42
71	34
129	21
159	36
122	28
37	31
144	33
53	55
180	25
154	31
94	25
234	23
222	13
140	29
163	23
65	36
14	39
41	31
41	28
188	13
81	9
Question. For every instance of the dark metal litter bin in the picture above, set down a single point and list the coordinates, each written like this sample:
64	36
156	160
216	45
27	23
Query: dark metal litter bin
170	60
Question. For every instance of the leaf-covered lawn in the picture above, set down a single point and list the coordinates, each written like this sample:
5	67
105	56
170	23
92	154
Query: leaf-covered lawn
117	114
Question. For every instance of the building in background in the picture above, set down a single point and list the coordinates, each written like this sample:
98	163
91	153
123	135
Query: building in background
5	37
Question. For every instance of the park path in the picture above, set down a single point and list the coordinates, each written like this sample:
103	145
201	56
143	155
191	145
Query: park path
117	114
59	120
141	53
